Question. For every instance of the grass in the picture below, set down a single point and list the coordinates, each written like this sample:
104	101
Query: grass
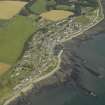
13	37
4	94
56	15
82	19
39	6
10	8
63	7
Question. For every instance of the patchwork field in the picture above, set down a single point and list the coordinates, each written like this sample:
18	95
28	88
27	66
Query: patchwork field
56	15
10	8
4	68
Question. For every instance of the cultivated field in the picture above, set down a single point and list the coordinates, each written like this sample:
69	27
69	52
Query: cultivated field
56	15
10	8
4	68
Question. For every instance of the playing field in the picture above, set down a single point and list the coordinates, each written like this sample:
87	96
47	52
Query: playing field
56	15
10	8
4	68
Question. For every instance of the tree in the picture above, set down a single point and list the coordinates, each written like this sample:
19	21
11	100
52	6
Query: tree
77	8
51	4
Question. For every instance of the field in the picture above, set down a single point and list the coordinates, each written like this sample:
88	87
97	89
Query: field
39	6
10	8
56	15
13	37
82	19
4	68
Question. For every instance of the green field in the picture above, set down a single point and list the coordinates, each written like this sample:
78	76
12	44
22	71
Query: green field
39	6
13	37
82	19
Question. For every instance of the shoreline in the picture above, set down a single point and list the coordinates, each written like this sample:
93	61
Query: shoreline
29	87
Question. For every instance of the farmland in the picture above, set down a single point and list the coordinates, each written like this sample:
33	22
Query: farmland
13	37
4	68
10	8
56	15
39	6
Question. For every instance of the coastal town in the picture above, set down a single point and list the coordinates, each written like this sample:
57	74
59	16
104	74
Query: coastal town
67	19
40	55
